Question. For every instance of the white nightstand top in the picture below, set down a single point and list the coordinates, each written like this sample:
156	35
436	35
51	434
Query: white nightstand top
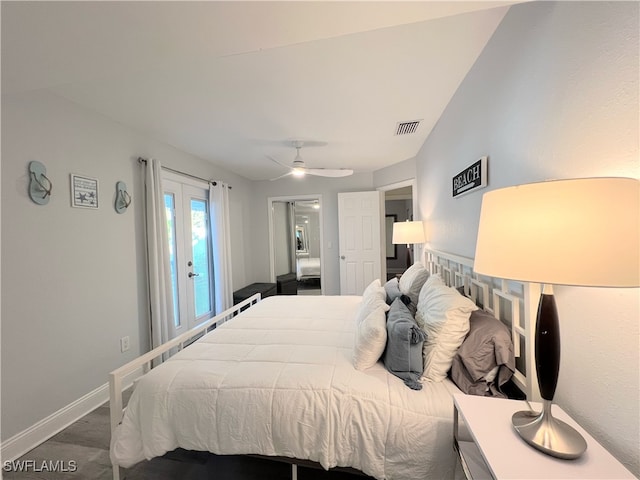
509	457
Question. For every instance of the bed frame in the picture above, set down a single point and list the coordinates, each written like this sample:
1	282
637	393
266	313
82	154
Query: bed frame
144	363
513	303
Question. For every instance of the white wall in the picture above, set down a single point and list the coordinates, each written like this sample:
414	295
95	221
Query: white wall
309	185
553	95
73	279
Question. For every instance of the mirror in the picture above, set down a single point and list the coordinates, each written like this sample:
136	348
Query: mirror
296	241
301	240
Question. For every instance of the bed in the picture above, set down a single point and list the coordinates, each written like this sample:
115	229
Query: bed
278	380
307	268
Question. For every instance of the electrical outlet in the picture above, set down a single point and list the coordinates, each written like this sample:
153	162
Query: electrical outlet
124	344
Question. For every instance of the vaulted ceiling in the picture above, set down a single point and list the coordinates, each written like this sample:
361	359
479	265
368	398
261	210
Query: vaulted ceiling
236	82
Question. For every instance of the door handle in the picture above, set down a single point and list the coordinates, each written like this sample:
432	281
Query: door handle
342	257
191	274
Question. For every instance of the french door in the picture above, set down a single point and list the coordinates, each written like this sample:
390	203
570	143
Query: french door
187	207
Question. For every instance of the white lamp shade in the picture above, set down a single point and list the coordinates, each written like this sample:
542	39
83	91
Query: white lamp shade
407	232
567	232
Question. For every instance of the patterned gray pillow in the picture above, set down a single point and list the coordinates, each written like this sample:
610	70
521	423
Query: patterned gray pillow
403	353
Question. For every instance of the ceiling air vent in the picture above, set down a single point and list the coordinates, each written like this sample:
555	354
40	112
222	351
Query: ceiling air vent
405	128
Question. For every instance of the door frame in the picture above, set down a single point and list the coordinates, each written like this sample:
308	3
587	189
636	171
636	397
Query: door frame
294	198
413	183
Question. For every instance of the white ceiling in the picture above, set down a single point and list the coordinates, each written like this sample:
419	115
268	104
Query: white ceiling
233	82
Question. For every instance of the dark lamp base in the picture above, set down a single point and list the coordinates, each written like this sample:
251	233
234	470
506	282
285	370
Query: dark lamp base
548	434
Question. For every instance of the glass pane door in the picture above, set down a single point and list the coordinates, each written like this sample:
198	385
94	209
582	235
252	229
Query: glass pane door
200	251
170	206
187	208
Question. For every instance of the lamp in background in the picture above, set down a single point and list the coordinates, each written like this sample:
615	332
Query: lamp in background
581	232
409	233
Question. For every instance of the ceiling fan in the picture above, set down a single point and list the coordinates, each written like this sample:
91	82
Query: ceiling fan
298	168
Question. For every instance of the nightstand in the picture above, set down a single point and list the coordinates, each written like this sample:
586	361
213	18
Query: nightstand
492	449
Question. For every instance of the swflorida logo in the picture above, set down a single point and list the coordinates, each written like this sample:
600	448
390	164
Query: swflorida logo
39	466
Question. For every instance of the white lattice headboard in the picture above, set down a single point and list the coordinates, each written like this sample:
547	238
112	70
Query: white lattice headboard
513	303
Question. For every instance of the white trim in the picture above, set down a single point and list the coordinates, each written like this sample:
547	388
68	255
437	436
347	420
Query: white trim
21	443
411	182
418	249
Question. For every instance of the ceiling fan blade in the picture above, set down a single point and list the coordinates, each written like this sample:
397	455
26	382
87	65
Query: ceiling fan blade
279	163
281	176
329	172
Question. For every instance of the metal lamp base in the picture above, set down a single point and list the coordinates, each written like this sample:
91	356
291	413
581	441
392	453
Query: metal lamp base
548	434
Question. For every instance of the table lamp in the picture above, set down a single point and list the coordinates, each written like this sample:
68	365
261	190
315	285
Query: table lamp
409	233
581	232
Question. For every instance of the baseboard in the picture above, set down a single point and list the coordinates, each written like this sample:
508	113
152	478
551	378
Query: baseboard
21	443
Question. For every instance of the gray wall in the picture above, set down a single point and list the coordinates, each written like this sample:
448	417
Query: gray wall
74	280
553	95
396	173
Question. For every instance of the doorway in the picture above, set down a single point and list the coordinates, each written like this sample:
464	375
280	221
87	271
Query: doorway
399	205
295	226
190	257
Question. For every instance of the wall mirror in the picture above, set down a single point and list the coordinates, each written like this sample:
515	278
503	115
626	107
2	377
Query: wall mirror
295	230
301	238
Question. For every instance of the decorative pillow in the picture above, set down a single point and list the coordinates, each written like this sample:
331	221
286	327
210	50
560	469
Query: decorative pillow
444	316
412	281
373	287
392	289
485	361
372	297
370	339
403	355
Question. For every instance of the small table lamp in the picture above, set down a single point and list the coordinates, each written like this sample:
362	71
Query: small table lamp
409	233
582	232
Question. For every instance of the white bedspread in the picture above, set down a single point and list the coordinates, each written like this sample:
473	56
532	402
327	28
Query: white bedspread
278	380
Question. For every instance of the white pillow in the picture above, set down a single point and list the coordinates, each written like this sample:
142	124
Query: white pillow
372	297
444	316
412	280
372	287
375	299
370	339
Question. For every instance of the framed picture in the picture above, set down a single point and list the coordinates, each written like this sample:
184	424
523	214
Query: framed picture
84	191
471	178
392	250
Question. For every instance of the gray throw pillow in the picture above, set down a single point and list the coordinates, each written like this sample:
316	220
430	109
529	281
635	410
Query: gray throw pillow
392	290
487	346
403	354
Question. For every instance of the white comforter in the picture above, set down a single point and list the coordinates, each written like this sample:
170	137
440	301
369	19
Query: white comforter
278	380
307	268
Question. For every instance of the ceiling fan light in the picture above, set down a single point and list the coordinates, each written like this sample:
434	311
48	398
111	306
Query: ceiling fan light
297	172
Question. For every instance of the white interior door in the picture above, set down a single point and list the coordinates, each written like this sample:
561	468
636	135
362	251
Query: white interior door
360	217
